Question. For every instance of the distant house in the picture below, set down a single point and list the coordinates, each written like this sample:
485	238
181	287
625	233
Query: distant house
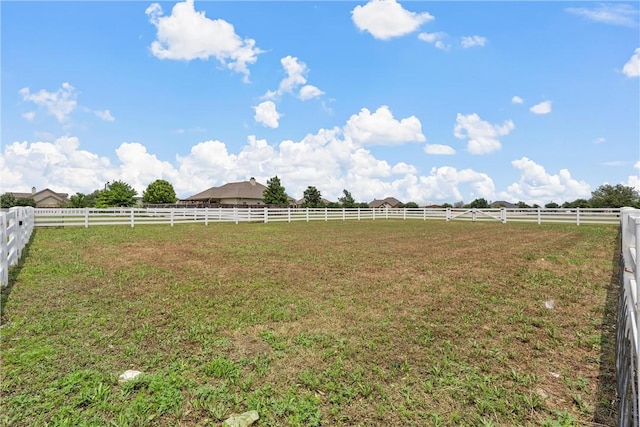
233	193
503	204
45	198
387	203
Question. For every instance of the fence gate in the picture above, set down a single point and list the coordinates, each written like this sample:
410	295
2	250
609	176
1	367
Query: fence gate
498	215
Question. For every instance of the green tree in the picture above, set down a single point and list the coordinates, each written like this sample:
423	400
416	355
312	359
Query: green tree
312	198
479	204
346	201
117	193
522	205
274	194
409	205
446	205
615	196
552	205
8	200
26	202
81	200
159	192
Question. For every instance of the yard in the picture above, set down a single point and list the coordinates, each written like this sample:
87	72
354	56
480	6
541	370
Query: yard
321	323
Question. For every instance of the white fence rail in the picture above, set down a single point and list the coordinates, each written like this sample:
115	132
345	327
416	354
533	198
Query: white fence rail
627	340
16	226
136	216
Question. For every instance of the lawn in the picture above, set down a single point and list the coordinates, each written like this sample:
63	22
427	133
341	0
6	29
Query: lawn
321	323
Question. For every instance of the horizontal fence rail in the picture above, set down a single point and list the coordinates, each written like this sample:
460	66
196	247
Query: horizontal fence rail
85	217
16	226
627	344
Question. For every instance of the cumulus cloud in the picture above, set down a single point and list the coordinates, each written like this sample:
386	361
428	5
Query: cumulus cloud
186	34
517	100
104	115
472	41
385	19
542	108
309	92
482	135
59	104
29	115
438	149
613	14
266	114
296	75
381	128
600	140
436	38
632	67
59	164
537	186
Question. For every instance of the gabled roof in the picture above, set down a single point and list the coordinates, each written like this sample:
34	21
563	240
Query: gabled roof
232	190
41	195
391	201
501	203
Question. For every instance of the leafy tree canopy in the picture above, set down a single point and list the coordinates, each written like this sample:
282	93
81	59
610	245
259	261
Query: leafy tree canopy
552	205
615	196
7	200
479	204
312	198
81	200
275	193
159	192
346	201
409	205
26	202
117	193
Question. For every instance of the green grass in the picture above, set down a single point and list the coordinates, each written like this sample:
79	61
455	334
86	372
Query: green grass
319	323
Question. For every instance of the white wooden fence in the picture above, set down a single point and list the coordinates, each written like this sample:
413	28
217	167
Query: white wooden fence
136	216
16	226
627	340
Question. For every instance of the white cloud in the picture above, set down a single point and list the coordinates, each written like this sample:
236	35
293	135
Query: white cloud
472	41
266	114
637	165
381	128
29	115
614	163
482	135
542	108
385	19
438	149
613	14
60	165
436	38
309	92
600	140
187	34
60	103
632	67
296	76
634	180
538	186
517	100
104	115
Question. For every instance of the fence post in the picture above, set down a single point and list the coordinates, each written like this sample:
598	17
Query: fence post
503	215
132	217
539	216
577	216
473	214
171	216
359	214
424	214
4	250
206	216
266	215
86	217
235	213
343	214
289	214
404	213
447	215
307	213
373	213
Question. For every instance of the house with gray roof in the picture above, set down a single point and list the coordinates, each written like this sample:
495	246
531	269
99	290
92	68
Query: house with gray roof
243	193
386	203
44	198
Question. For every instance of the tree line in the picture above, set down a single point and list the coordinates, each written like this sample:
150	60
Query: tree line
160	191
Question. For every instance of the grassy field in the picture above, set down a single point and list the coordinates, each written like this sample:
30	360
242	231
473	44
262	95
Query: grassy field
340	323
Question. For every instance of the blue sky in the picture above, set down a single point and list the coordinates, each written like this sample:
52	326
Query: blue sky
425	101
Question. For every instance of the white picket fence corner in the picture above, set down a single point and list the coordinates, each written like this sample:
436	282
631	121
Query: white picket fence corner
16	227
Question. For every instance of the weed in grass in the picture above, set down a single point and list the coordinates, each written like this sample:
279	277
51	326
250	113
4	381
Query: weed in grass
223	368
